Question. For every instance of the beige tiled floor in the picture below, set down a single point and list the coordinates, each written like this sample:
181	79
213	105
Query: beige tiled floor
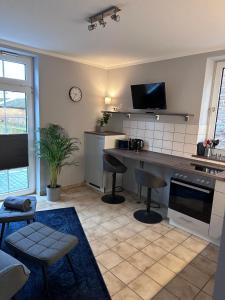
140	261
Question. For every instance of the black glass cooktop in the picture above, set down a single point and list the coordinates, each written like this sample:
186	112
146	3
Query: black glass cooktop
207	169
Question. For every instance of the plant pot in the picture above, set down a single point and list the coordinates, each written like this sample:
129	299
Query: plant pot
53	194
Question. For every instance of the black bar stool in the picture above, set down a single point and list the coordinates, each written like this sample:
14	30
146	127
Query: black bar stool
150	181
113	165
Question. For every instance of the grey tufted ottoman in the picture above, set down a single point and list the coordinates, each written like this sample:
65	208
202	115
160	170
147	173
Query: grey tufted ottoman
42	244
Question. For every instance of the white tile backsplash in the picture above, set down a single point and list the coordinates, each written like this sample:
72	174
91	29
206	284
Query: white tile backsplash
168	145
180	128
141	124
191	139
159	126
178	146
178	137
150	125
169	127
157	143
192	129
169	138
158	134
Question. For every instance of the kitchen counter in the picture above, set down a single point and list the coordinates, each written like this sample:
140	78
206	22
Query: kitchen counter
104	133
172	161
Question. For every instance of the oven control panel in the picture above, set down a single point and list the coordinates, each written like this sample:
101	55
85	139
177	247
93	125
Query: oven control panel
196	179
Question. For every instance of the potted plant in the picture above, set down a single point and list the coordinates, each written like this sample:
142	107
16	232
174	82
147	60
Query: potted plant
56	147
103	121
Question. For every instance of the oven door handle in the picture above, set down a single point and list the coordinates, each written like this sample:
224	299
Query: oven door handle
191	186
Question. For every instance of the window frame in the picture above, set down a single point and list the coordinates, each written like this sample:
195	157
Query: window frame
213	110
25	86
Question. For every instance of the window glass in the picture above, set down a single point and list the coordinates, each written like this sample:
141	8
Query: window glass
18	179
2	113
14	70
1	69
15	112
4	182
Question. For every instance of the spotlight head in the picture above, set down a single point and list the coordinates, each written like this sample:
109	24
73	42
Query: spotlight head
92	26
115	17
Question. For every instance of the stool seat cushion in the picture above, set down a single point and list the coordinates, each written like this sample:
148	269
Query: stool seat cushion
9	215
149	180
41	243
113	165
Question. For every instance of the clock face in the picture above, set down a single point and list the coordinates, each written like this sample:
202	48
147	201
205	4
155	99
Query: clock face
75	94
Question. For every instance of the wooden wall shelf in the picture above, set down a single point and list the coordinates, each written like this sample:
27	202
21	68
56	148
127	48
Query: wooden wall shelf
157	114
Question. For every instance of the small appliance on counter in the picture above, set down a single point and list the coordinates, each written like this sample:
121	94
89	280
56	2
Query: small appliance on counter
136	144
123	144
131	144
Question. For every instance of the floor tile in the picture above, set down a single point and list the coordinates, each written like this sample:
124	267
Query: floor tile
160	228
141	261
124	249
98	247
138	241
123	220
109	259
165	295
113	284
184	253
154	251
211	252
111	225
150	234
194	276
166	243
125	272
124	233
126	294
111	240
182	288
145	287
136	226
160	274
203	296
205	265
209	287
176	235
194	244
102	268
173	263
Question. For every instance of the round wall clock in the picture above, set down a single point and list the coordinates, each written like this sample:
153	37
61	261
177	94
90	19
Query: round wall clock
75	94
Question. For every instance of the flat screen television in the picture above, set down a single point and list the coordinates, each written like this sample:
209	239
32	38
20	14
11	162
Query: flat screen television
149	96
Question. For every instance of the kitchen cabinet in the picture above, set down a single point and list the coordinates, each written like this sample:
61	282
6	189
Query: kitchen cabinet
94	144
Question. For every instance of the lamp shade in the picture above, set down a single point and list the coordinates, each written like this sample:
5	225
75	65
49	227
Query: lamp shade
13	151
108	100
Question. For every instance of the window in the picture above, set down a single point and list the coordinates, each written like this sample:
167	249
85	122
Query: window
217	111
17	117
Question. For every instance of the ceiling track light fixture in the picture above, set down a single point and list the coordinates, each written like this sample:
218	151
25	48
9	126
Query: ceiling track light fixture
100	17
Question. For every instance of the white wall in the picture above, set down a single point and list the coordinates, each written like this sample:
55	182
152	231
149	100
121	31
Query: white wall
56	77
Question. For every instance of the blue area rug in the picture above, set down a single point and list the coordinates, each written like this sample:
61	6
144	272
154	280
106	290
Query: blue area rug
89	284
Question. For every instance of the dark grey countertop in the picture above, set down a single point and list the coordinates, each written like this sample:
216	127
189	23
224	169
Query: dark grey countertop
105	133
172	161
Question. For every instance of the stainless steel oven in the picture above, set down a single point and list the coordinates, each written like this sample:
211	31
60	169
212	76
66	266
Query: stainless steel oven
192	199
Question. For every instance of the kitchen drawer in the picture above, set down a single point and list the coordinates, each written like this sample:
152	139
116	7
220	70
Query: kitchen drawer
218	204
216	226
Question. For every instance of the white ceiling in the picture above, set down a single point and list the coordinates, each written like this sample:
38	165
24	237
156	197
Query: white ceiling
149	29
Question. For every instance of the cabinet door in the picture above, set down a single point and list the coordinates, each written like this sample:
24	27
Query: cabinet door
215	228
94	146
